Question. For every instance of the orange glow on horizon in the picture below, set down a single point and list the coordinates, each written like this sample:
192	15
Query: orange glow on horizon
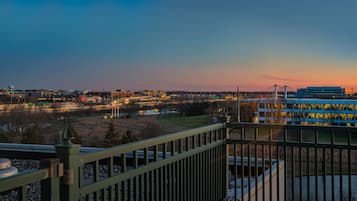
262	75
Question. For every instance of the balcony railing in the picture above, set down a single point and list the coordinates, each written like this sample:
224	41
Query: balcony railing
217	162
296	162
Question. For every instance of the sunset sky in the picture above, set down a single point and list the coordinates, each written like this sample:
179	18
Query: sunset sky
181	45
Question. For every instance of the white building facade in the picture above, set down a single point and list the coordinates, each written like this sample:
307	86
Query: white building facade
323	112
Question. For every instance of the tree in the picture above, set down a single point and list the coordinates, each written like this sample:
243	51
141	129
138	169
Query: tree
247	111
77	139
128	137
33	135
152	129
112	137
16	121
4	138
192	109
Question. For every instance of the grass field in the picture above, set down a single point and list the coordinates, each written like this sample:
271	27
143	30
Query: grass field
185	121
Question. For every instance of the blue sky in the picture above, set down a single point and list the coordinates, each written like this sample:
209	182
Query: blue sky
194	45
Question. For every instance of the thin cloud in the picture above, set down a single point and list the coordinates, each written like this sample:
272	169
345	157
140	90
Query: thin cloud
279	78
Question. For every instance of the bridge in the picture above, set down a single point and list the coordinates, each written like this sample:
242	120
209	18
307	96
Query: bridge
225	161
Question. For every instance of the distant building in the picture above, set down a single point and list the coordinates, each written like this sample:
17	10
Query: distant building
321	92
349	92
90	99
154	93
324	112
121	94
103	94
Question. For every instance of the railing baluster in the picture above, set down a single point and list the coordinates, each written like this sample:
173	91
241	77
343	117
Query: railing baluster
204	172
199	140
96	168
332	166
349	167
129	189
308	173
271	165
188	181
220	172
215	169
187	144
137	188
162	183
199	173
180	146
181	180
213	180
242	171
193	140
205	138
164	150
167	181
316	167
174	186
263	164
242	166
185	179
256	163
146	187
119	192
195	177
135	159
341	176
141	184
123	170
235	171
324	172
156	153
110	174
285	164
146	156
23	193
209	162
171	181
300	164
153	185
96	178
292	173
105	194
249	173
157	184
173	148
277	173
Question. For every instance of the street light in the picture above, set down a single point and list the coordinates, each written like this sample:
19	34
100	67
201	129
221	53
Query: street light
11	88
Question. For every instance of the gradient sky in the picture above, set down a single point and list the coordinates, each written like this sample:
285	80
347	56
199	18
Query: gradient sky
181	45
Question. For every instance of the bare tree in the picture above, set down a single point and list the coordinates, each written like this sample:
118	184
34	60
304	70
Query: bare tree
128	137
112	137
33	135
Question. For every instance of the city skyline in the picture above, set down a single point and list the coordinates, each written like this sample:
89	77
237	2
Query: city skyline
175	46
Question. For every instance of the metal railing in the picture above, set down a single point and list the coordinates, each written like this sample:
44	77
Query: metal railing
187	165
217	162
42	184
301	162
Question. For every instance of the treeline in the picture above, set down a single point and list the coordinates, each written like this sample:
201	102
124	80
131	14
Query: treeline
20	126
214	109
114	137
